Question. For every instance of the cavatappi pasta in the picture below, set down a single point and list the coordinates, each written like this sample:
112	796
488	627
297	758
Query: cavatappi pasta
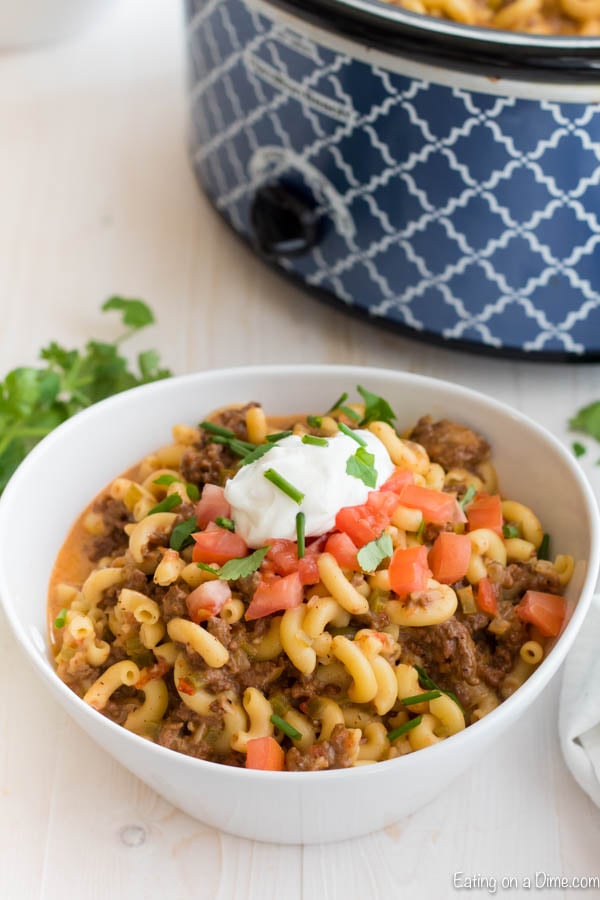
552	17
414	615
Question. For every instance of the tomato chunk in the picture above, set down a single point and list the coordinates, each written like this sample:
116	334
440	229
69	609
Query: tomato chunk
274	595
485	511
409	570
449	557
546	611
343	548
264	753
487	597
207	600
399	479
436	506
217	545
211	504
365	522
284	556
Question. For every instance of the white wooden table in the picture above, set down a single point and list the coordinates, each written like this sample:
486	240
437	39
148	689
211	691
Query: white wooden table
97	197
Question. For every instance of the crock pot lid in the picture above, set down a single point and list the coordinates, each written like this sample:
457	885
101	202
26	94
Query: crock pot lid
484	51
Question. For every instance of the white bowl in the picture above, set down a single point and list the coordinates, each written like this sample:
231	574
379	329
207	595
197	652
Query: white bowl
70	466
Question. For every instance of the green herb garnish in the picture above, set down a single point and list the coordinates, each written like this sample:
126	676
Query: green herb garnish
338	402
216	429
361	465
181	536
314	421
587	420
376	408
373	553
237	446
166	505
284	485
239	567
315	441
225	522
350	413
192	491
427	682
467	496
421	698
420	529
578	449
510	531
284	726
278	436
352	434
402	729
256	454
300	527
166	479
61	619
33	401
544	548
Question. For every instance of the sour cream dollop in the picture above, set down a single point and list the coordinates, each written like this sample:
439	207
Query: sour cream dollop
262	511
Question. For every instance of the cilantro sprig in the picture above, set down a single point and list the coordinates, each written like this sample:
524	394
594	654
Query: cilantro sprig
373	553
362	465
34	400
239	567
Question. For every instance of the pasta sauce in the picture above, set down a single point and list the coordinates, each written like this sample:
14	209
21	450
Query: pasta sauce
338	626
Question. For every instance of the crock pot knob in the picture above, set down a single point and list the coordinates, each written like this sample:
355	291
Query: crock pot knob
284	221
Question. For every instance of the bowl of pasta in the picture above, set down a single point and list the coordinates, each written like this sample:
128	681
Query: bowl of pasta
427	164
314	588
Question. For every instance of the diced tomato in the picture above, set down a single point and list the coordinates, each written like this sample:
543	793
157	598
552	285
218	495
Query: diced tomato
211	504
186	687
149	673
399	479
485	511
487	597
207	600
217	545
343	548
365	523
449	557
274	595
308	570
409	570
546	611
284	556
436	506
264	753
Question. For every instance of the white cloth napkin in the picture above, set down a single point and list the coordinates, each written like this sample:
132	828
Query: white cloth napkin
579	714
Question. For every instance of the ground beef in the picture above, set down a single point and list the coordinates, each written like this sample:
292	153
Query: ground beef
77	673
446	650
134	579
261	675
338	752
114	541
521	577
450	444
173	603
220	629
207	462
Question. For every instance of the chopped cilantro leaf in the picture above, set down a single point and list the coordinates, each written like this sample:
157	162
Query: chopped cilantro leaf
376	408
587	420
361	465
373	553
578	449
181	536
239	567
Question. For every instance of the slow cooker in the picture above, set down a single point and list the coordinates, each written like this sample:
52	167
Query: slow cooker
441	179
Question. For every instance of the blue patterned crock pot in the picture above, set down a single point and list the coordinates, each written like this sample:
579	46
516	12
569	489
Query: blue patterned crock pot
440	179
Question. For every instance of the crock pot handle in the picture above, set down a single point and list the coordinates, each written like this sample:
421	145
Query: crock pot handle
283	221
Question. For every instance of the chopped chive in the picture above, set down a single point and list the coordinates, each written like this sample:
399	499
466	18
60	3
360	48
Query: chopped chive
578	449
544	548
300	527
166	479
256	454
284	485
169	503
421	698
278	436
217	429
61	619
181	536
284	726
421	528
192	491
240	448
352	414
468	496
314	421
510	531
224	522
427	682
315	441
352	434
338	402
402	729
